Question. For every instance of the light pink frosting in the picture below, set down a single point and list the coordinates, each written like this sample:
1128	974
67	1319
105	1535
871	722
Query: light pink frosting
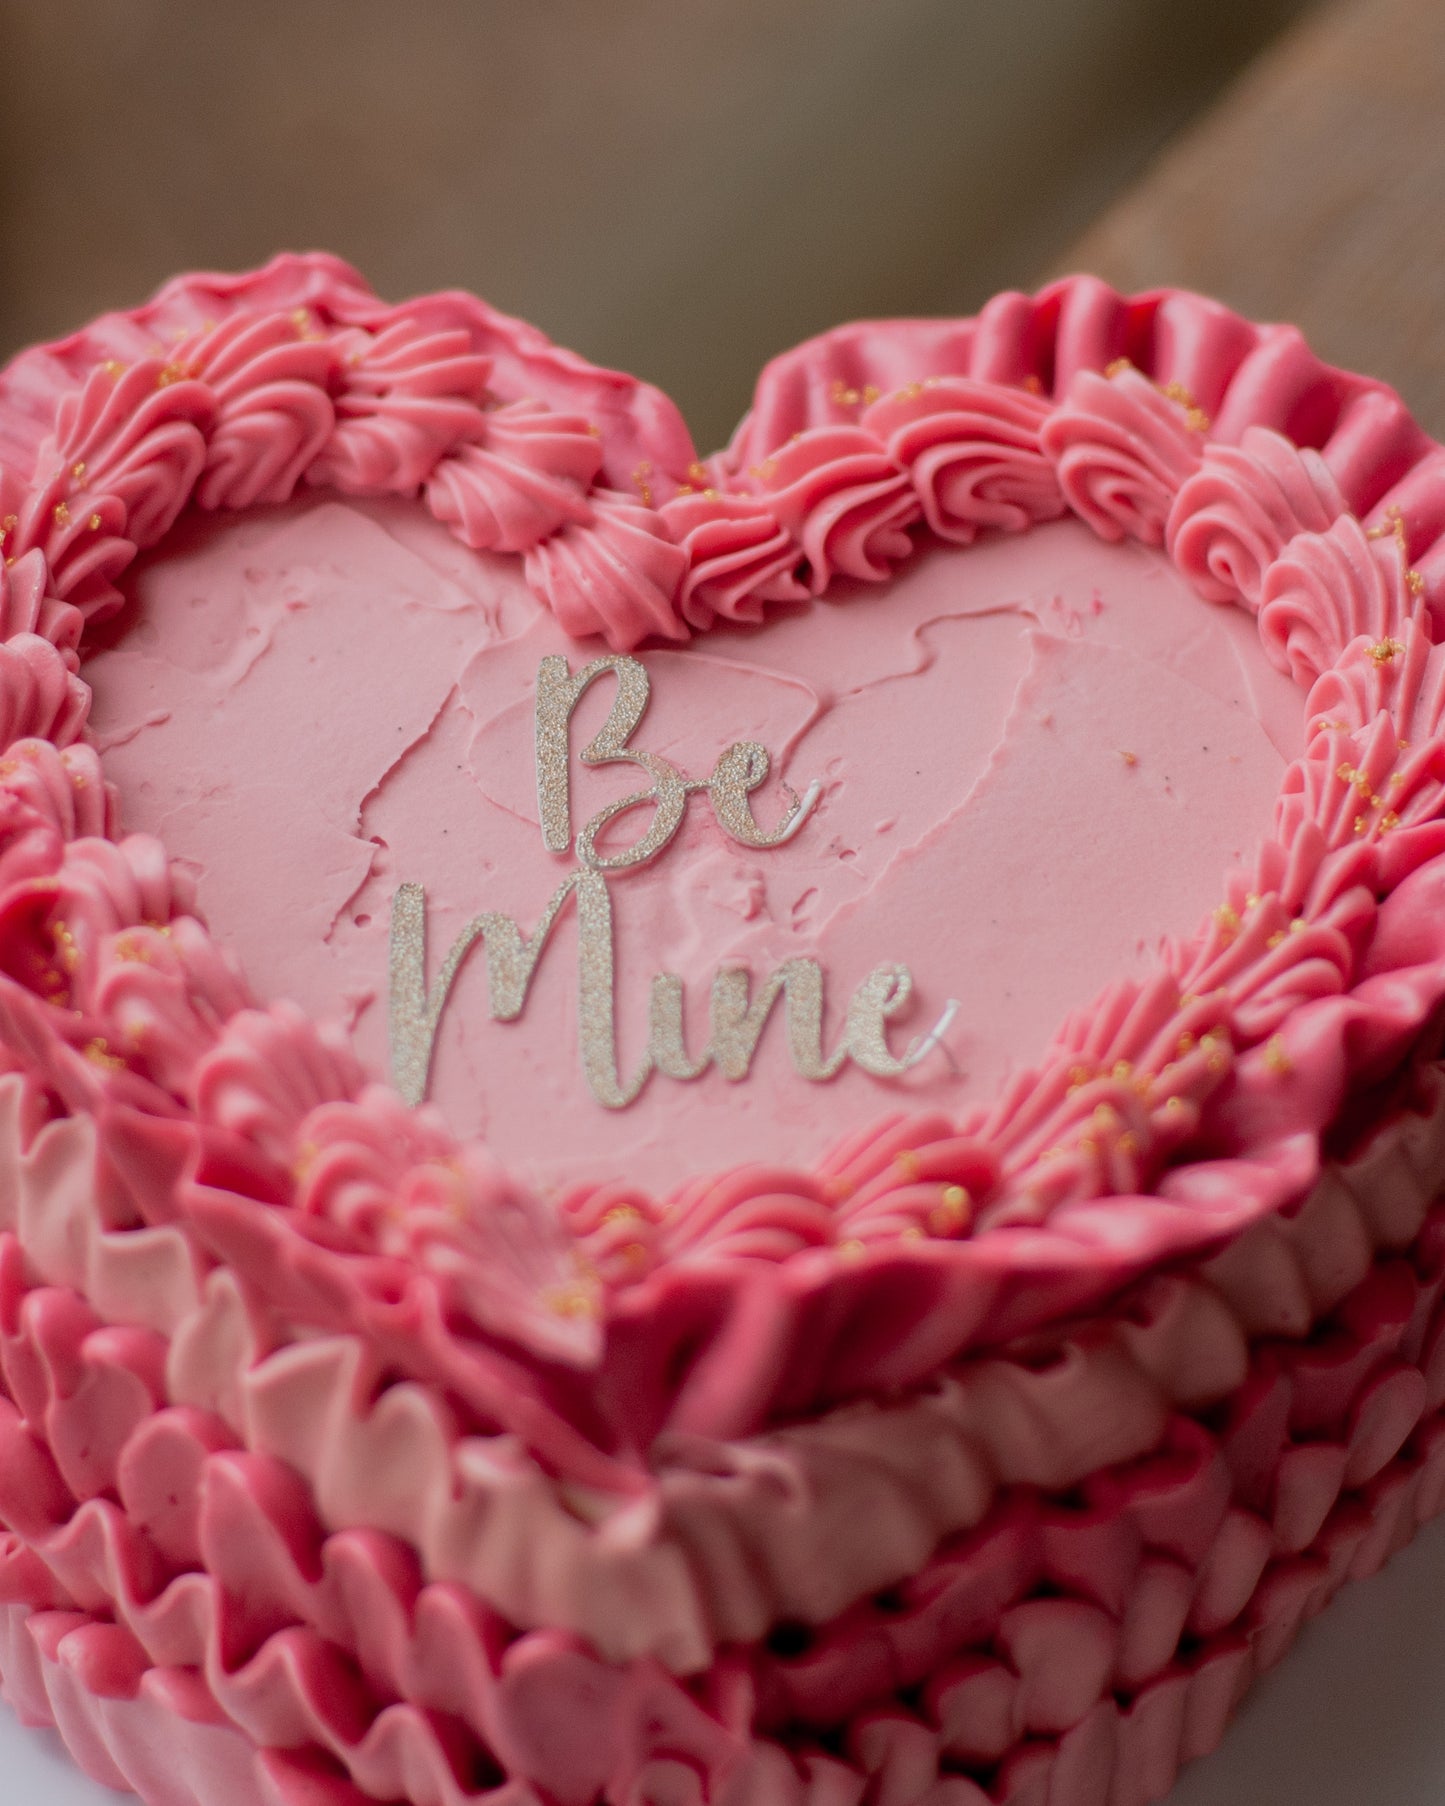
1068	646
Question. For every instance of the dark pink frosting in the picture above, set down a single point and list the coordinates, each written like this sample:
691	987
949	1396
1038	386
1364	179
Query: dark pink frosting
407	398
526	475
972	451
1326	589
1237	513
614	573
1122	451
739	557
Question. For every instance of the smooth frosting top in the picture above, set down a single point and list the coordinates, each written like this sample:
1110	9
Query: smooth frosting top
1035	759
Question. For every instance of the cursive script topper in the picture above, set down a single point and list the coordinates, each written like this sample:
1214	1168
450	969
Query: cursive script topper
737	1014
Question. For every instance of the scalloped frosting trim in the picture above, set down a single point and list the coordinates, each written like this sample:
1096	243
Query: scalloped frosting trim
717	1548
1332	1452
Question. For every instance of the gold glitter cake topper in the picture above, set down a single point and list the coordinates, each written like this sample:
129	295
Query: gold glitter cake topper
736	1016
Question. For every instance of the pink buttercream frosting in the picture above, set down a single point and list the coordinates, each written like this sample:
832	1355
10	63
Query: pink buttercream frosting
897	1469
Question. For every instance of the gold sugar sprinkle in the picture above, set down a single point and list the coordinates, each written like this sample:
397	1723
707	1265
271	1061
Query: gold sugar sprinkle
95	523
907	1163
852	1249
1275	1056
1384	650
570	1301
1129	758
1078	1076
112	368
1117	367
1123	1069
952	1210
98	1051
1195	417
1389	820
77	470
62	515
1276	938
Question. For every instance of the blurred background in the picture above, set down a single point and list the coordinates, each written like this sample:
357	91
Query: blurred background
673	187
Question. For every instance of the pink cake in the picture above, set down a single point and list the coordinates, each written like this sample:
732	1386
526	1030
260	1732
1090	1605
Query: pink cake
821	1187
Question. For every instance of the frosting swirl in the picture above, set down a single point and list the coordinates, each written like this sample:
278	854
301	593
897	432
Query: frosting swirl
1234	516
972	452
1122	451
525	475
843	501
739	558
616	573
274	412
408	396
1326	589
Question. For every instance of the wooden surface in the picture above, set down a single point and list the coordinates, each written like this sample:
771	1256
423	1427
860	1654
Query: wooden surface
1315	192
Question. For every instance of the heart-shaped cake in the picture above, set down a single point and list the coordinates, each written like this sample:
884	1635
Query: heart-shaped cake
761	1131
